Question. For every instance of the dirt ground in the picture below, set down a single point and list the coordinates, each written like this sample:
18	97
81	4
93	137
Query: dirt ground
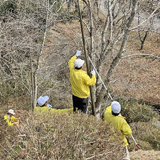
135	77
145	155
144	70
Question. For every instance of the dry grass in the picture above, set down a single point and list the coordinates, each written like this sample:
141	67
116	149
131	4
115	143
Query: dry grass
147	155
76	136
147	135
62	136
138	76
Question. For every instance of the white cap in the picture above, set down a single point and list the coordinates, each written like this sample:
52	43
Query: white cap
11	111
116	107
78	63
42	100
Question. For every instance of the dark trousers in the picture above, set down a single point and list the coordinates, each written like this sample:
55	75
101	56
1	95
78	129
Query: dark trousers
80	104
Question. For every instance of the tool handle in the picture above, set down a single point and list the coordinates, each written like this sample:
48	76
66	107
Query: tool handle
100	78
138	146
135	142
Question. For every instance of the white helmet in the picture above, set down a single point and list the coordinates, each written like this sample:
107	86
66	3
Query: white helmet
11	111
116	107
78	63
42	100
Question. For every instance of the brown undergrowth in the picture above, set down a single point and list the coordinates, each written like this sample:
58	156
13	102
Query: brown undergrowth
146	135
63	136
76	136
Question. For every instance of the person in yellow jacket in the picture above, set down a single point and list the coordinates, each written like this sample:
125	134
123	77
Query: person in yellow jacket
80	83
112	115
10	119
44	106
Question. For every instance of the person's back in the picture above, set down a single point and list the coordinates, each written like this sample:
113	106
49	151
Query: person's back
112	115
80	83
117	121
45	109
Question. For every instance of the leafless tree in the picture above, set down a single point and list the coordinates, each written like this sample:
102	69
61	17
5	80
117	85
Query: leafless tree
106	41
149	9
24	27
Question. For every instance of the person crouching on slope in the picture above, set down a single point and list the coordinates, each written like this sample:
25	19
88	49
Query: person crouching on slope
43	101
44	106
112	115
10	119
80	83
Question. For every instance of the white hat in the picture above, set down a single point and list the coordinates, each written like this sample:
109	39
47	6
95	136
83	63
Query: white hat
42	100
78	63
116	107
11	111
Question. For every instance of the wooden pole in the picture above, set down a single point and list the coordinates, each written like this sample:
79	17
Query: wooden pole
86	60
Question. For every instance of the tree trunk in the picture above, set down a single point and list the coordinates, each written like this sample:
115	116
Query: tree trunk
38	57
115	61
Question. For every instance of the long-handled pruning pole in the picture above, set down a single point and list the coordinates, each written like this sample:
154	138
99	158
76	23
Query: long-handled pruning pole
100	78
109	95
135	142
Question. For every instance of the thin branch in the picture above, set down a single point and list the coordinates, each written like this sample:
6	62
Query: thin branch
99	155
151	15
151	55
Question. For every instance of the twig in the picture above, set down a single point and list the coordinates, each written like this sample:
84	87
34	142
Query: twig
99	155
151	55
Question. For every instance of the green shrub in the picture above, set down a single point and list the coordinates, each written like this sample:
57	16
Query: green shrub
8	6
146	135
135	112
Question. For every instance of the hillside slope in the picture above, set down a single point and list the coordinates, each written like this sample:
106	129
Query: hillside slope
145	155
137	76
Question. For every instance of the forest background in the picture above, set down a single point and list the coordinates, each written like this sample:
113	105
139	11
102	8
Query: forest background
122	38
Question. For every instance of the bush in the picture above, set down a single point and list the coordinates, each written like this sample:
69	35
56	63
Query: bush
135	112
62	136
14	94
8	6
147	135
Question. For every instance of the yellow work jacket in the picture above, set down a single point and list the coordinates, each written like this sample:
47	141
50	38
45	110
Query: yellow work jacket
46	109
80	81
11	120
119	122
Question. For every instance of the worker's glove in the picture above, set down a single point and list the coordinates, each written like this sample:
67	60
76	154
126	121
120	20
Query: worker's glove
49	106
78	53
93	72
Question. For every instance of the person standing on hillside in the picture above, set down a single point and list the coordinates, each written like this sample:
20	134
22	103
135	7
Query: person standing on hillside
112	115
10	119
80	83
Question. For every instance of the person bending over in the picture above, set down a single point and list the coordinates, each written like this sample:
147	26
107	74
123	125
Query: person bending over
10	119
112	115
